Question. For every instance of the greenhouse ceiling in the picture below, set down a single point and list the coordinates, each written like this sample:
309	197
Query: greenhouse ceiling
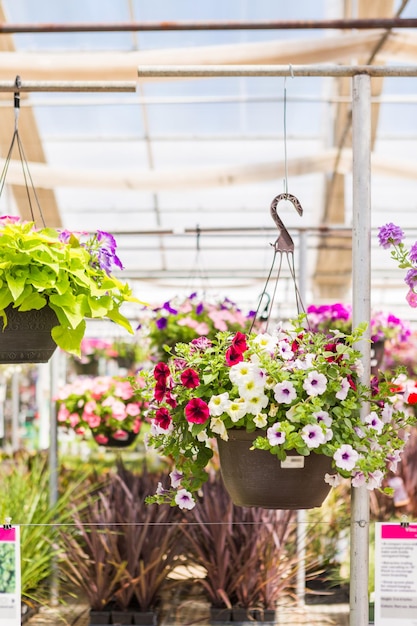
183	171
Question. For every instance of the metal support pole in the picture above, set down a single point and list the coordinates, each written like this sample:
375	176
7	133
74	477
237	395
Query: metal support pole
361	284
301	515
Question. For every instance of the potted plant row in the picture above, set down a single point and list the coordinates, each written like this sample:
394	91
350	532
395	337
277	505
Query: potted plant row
123	551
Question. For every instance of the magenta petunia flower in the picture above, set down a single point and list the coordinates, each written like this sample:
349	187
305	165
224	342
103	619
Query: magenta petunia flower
189	378
197	411
233	356
239	342
161	372
163	418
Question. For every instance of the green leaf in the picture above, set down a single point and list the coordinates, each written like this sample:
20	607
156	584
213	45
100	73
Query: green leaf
16	284
120	319
69	339
33	301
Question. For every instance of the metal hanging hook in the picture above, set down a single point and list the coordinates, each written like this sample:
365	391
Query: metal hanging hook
284	243
18	84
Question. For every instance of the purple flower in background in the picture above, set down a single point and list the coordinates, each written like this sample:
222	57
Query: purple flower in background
413	253
389	235
107	256
161	323
64	236
411	278
199	308
169	308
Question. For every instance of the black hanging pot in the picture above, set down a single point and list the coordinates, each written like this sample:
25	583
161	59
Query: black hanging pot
117	443
86	369
27	336
258	478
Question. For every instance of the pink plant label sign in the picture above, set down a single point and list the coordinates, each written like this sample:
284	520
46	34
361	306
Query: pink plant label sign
395	574
10	603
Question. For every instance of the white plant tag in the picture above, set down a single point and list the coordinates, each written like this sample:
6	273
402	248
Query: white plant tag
293	462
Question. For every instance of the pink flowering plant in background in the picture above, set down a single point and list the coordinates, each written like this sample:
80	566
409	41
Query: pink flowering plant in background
106	406
392	237
337	316
299	389
185	319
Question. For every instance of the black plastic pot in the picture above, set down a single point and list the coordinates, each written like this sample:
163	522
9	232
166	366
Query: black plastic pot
119	443
256	478
97	618
27	336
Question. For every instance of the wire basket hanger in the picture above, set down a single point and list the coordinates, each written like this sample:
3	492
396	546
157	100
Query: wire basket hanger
16	140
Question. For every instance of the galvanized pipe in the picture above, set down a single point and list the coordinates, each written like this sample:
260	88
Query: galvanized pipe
361	289
218	71
69	86
337	24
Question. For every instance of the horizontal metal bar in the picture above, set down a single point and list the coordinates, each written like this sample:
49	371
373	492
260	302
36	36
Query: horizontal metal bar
338	24
214	71
69	86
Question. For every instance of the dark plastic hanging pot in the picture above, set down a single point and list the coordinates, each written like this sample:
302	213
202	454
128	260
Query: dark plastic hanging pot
117	443
257	478
27	336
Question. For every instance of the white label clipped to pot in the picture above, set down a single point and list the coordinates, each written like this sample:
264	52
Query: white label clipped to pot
293	462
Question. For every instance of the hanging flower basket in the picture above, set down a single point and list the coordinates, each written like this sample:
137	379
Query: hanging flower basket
293	390
27	336
121	439
110	408
257	478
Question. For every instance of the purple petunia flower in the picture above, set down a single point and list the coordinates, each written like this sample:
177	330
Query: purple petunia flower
199	308
389	235
413	253
167	306
411	278
161	323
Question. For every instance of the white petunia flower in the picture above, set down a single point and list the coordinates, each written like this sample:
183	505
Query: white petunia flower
344	389
184	499
312	435
345	457
305	363
236	409
284	349
333	479
275	435
374	422
260	420
285	392
241	372
218	427
249	388
217	404
266	342
255	404
315	384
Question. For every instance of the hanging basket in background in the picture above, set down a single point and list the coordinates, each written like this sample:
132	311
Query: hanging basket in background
116	442
27	336
258	478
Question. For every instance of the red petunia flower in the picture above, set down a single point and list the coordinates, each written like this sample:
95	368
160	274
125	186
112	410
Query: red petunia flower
169	399
160	391
189	378
197	411
161	372
239	342
163	418
233	356
351	383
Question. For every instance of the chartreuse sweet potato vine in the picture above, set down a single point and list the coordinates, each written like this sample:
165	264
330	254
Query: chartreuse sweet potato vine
67	271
